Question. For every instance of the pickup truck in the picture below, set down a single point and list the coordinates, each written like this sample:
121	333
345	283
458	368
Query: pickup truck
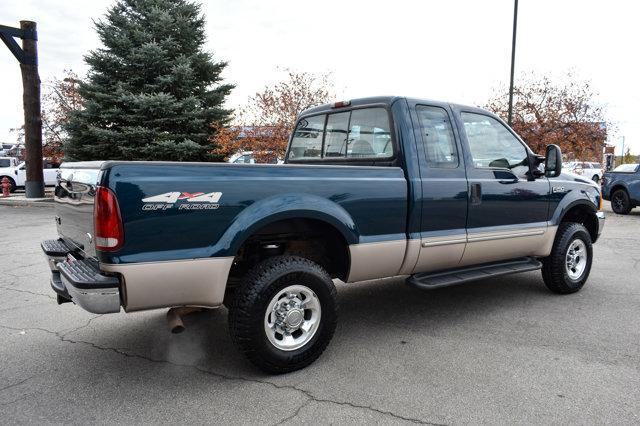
621	186
17	174
372	188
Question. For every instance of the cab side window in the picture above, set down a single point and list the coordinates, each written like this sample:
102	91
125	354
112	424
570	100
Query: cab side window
437	136
369	134
492	145
307	138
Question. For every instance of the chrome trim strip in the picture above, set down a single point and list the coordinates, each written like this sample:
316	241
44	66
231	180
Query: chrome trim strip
376	260
193	282
489	236
444	240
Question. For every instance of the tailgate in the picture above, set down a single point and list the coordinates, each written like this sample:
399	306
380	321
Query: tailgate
74	196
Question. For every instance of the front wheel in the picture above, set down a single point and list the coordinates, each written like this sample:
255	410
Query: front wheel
567	268
620	202
283	313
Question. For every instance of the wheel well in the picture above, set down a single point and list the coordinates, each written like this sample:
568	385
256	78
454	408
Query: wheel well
615	188
309	238
584	215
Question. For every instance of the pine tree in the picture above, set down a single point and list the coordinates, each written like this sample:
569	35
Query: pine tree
152	92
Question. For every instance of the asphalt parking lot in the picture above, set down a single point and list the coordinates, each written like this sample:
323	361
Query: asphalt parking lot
496	351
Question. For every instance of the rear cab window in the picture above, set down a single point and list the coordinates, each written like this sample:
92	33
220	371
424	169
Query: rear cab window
355	135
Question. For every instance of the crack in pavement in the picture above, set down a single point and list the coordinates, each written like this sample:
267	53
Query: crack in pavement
308	394
27	291
295	413
13	385
73	330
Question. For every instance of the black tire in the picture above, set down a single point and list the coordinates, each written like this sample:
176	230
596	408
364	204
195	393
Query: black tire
11	181
596	178
554	267
620	202
251	300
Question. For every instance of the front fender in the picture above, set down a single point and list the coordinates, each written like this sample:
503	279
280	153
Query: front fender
280	207
588	196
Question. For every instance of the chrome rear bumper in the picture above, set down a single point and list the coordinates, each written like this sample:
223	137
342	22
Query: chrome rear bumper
81	281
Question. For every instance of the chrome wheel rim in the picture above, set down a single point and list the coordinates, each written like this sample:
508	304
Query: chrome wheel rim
292	317
576	259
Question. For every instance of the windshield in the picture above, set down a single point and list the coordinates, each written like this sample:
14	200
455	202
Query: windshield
626	168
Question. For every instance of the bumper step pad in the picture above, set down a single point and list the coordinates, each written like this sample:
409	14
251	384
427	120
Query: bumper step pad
88	288
55	248
85	274
429	281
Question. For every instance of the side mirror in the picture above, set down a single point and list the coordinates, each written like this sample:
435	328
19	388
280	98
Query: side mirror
553	161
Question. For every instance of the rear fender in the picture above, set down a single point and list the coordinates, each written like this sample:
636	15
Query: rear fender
280	207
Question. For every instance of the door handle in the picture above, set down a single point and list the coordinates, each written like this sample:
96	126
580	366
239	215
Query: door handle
475	193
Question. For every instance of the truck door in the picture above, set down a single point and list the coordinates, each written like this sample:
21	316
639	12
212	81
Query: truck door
508	209
444	188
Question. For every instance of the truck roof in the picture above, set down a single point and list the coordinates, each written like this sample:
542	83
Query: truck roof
386	100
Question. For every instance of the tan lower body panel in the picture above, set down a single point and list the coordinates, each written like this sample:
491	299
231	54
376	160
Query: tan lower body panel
194	282
483	247
376	260
438	253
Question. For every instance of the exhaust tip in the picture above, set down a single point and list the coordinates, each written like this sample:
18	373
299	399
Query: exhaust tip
177	329
174	318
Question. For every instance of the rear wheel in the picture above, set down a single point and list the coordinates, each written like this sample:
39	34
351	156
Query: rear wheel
283	313
567	268
620	202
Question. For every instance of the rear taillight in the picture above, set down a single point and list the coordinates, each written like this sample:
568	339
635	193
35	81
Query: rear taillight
109	234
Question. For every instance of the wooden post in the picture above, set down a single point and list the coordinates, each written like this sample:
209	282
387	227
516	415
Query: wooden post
34	185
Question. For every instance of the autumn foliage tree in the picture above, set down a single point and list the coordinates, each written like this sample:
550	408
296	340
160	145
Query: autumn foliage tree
264	125
562	113
60	99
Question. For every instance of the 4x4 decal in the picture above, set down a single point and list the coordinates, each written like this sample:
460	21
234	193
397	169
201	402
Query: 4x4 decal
183	201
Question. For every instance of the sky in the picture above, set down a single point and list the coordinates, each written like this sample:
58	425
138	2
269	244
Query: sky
454	50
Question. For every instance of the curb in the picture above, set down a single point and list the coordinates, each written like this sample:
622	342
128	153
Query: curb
24	202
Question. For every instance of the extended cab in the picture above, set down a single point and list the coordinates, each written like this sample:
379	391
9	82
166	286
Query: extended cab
371	188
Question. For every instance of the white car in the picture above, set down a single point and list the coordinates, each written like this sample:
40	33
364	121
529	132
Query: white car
590	170
8	162
246	157
18	174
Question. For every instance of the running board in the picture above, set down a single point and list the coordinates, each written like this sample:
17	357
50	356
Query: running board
428	281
